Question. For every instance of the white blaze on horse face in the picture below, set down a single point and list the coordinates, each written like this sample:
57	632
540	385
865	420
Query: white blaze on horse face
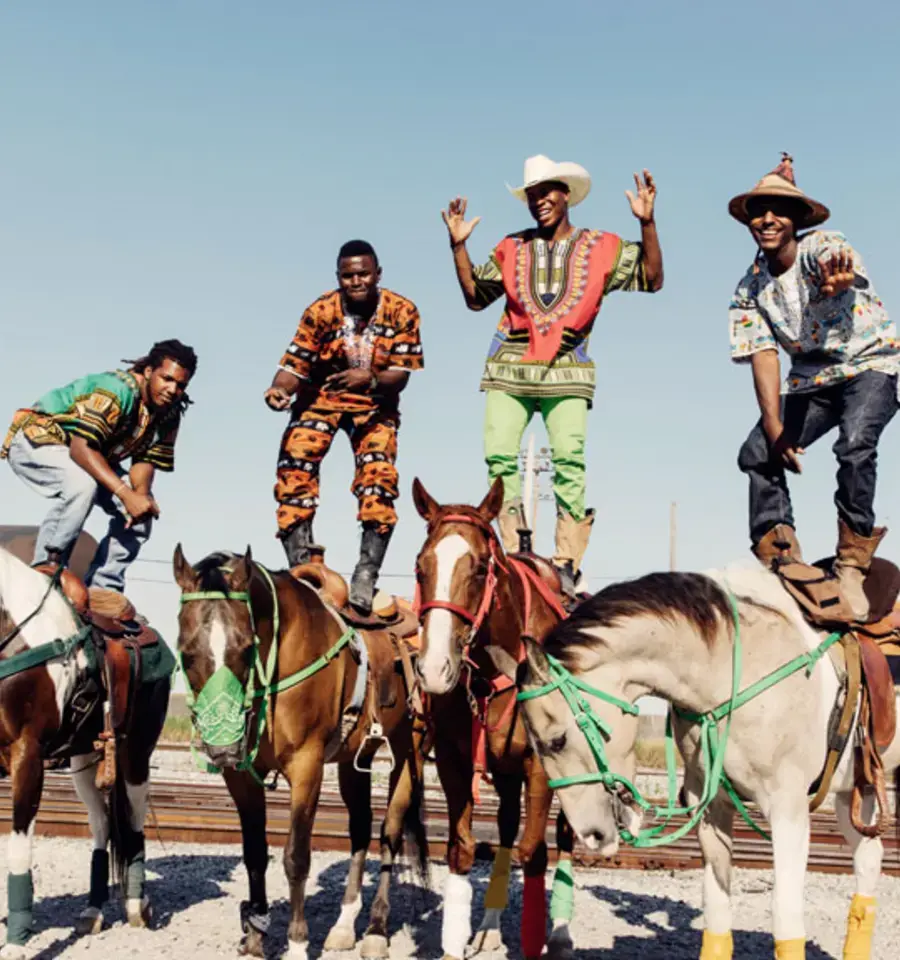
439	663
218	641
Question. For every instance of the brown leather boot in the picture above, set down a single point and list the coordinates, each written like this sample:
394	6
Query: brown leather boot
571	543
779	545
585	527
510	521
852	563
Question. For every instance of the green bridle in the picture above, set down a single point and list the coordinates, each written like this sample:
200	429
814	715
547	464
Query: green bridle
596	732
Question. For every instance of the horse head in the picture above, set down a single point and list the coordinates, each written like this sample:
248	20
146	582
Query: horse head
455	572
216	647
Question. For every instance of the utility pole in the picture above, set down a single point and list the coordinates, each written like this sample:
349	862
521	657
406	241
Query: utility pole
532	464
673	534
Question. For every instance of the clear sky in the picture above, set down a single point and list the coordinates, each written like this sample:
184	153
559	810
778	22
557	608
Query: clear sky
191	169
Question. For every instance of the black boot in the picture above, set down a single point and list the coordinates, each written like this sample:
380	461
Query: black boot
371	556
297	543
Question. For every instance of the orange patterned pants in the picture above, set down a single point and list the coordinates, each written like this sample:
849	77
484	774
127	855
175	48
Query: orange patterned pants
308	438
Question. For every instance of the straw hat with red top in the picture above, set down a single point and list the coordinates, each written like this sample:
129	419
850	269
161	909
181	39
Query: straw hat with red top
780	183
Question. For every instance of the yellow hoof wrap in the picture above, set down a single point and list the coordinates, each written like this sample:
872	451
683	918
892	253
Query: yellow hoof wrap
790	949
860	927
716	946
498	889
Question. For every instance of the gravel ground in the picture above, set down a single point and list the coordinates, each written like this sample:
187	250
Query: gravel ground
196	890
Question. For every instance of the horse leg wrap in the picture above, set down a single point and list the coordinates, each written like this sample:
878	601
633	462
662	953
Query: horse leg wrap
562	896
99	879
457	926
790	949
497	895
534	916
860	927
134	877
19	898
717	946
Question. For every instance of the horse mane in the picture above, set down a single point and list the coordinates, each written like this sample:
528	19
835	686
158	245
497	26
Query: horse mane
22	590
209	570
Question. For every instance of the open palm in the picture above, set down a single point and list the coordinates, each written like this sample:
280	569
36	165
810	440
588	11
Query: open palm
458	227
643	201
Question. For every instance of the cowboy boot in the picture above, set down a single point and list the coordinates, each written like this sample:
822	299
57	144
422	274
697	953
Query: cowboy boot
584	535
510	521
779	545
569	537
371	556
297	543
852	563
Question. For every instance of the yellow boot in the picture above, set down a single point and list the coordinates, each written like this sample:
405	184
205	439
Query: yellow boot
717	946
860	927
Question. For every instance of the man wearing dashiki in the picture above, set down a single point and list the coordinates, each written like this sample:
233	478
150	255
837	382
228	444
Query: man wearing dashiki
70	445
554	278
811	294
345	369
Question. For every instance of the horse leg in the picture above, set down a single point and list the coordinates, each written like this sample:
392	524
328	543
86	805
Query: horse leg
356	792
789	818
304	771
562	898
27	773
455	773
250	800
716	835
84	769
509	792
533	857
867	856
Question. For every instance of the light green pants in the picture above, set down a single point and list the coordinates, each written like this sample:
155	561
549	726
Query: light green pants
505	419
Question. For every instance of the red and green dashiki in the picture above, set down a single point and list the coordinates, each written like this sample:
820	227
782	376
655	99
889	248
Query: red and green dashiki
106	410
553	295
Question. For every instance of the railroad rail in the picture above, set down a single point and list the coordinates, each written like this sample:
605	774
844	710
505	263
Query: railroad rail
202	812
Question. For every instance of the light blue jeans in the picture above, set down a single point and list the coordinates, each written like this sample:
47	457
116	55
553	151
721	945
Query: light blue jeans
51	472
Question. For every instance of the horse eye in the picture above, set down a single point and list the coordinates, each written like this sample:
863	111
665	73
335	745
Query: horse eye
557	744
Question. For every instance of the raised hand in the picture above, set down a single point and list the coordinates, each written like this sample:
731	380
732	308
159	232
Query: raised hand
458	227
642	203
837	273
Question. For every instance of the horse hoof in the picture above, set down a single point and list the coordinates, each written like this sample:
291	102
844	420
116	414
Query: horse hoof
374	945
252	945
89	922
340	938
486	941
560	948
139	913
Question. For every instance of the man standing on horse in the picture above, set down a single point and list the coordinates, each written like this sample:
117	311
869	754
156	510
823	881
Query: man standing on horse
554	278
70	445
810	293
345	369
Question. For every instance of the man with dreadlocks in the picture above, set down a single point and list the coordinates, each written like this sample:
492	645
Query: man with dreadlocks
344	370
69	446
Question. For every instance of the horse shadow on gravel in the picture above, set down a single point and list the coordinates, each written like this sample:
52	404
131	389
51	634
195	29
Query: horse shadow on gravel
668	935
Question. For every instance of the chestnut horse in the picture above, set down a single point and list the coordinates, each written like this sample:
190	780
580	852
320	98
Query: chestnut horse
472	596
52	707
236	621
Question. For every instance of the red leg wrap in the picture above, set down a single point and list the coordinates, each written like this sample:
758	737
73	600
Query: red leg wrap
534	916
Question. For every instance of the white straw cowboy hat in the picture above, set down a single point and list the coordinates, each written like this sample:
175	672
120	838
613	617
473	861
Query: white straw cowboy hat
541	169
780	183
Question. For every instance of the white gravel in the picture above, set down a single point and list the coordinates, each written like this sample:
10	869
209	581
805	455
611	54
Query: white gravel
196	890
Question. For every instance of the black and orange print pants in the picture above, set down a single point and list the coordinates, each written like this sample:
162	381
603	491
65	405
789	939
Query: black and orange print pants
373	436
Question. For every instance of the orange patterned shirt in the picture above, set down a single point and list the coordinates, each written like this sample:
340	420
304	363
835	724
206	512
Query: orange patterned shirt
329	340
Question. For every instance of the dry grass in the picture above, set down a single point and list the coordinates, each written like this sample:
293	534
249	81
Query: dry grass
652	754
176	729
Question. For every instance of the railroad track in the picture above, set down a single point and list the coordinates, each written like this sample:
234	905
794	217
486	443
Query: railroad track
202	812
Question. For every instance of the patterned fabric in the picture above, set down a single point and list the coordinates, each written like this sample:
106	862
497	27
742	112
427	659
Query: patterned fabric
829	339
327	341
306	441
553	295
107	411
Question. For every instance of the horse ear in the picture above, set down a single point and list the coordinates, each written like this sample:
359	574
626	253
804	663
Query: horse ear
425	503
184	573
503	661
490	507
537	659
243	570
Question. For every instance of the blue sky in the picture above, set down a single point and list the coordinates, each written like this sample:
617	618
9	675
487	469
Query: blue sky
190	170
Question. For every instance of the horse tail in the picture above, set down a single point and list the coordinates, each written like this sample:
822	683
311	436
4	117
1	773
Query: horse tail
414	832
124	840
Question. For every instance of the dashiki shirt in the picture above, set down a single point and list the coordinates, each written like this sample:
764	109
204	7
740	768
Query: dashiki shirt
106	410
553	295
828	338
330	339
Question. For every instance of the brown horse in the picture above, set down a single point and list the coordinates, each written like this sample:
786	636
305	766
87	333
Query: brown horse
52	695
235	619
470	596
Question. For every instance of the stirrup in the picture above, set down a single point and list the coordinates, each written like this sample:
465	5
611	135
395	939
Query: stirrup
376	732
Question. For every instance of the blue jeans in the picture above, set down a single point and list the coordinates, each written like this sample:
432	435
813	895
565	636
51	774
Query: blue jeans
860	408
51	472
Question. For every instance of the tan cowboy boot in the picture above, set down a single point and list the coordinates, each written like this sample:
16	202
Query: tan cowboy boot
585	527
569	540
852	563
780	544
510	521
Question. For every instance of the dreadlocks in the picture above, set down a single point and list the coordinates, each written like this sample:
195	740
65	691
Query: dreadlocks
164	350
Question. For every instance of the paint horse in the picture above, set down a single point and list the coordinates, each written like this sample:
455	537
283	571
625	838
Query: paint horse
471	595
278	682
59	689
760	713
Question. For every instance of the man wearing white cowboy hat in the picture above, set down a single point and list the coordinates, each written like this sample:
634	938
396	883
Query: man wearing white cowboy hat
811	295
554	278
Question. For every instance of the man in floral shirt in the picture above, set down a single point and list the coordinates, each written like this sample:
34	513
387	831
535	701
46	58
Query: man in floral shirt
811	295
345	369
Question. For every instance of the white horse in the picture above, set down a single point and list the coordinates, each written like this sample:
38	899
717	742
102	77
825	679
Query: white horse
672	635
35	707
